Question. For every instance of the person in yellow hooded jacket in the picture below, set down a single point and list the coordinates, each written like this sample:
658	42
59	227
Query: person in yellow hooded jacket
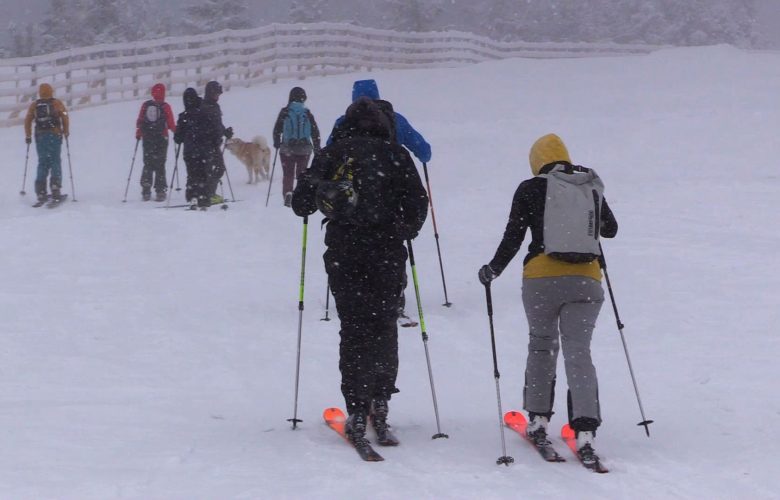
561	298
51	123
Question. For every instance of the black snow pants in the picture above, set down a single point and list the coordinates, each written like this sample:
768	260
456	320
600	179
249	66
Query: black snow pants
366	282
153	174
197	187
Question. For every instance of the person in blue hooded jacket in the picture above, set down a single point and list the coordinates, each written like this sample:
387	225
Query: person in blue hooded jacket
405	134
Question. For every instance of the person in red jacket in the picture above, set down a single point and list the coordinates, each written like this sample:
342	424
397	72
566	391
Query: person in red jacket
154	121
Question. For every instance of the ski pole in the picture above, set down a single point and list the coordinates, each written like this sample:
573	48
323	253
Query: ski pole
70	169
295	419
645	422
176	168
271	180
327	303
227	175
26	162
173	174
439	433
447	303
132	164
503	459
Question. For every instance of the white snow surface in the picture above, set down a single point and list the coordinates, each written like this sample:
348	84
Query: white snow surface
150	354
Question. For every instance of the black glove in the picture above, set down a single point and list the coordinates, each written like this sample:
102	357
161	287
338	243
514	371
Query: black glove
229	132
486	274
277	144
28	140
406	232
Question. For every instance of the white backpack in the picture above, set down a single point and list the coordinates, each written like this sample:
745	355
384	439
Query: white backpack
572	213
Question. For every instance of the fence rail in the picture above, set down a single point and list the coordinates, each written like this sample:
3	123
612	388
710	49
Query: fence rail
103	74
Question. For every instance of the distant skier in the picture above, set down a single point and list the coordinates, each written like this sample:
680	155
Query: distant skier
51	124
211	135
154	120
402	132
296	136
368	188
188	134
563	207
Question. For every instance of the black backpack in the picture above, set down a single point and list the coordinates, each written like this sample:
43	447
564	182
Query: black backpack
46	117
153	119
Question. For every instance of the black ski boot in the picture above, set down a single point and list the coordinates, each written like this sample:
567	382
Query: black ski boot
355	430
146	196
379	411
159	196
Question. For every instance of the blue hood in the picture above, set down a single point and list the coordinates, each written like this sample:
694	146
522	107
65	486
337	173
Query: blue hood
365	88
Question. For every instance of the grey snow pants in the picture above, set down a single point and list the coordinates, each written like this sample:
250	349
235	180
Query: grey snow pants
564	307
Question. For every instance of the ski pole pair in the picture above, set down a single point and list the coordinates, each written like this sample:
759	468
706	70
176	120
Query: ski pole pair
295	420
70	170
504	458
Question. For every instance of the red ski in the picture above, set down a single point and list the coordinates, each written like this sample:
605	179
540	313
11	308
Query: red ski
569	437
517	422
336	420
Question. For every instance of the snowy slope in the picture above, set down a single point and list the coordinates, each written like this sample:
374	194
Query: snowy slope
150	353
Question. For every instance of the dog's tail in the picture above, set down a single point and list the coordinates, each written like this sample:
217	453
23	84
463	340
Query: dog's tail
260	141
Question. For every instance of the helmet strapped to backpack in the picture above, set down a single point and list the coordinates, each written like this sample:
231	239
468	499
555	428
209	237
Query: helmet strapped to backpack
336	199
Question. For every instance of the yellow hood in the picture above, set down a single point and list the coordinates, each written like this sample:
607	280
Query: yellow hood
45	91
547	149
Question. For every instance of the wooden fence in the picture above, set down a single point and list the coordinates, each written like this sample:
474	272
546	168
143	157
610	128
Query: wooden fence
119	72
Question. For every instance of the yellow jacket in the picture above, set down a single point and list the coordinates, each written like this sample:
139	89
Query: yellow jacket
62	127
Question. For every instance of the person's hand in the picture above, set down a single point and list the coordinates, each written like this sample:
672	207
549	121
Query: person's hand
486	274
138	134
28	140
406	232
229	132
277	144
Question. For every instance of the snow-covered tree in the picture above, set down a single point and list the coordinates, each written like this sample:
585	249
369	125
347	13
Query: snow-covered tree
215	15
412	15
306	11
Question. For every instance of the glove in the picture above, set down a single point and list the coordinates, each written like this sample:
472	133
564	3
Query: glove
277	144
28	140
138	133
486	274
229	132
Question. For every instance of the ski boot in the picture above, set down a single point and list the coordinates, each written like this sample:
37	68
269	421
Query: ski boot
379	411
537	430
159	196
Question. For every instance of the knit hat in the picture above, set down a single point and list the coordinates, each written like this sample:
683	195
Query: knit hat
297	94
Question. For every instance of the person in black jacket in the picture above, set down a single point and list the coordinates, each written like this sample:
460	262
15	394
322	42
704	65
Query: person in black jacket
384	203
195	153
212	133
562	298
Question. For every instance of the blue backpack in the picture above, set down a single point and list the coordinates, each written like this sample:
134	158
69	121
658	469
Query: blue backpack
297	126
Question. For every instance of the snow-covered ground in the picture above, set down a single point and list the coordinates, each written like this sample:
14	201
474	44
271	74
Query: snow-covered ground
150	354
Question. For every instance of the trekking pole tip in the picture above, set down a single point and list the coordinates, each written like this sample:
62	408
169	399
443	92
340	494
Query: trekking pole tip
646	425
294	422
440	435
22	193
505	460
447	304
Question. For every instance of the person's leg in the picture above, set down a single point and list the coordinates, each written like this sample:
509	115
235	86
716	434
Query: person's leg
160	156
288	172
542	306
55	181
584	298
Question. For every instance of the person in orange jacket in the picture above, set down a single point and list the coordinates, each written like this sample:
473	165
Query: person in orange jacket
51	124
154	121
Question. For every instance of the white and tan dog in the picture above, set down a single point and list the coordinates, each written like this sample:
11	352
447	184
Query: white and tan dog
255	155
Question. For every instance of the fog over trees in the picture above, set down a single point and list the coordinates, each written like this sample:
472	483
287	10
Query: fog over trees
60	24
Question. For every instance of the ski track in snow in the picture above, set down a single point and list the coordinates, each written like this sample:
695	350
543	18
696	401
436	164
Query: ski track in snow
151	353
